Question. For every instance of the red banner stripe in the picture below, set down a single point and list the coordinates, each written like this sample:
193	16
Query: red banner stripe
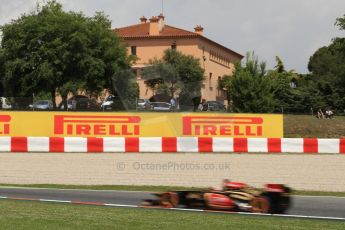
95	145
342	146
19	144
57	144
240	145
169	144
310	145
274	145
205	144
132	144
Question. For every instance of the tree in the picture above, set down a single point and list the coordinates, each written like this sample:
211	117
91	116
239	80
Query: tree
340	22
285	90
153	83
51	50
327	67
249	89
280	68
161	73
126	90
2	90
191	75
180	74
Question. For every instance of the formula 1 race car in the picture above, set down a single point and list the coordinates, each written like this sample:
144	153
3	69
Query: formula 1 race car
234	196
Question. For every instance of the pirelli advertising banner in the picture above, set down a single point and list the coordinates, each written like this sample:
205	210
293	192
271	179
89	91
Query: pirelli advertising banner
104	124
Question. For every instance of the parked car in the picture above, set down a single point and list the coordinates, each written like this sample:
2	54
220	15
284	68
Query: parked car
22	103
4	103
69	105
81	102
215	106
161	106
143	104
108	102
42	105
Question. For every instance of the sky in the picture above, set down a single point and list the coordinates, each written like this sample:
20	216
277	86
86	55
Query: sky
290	29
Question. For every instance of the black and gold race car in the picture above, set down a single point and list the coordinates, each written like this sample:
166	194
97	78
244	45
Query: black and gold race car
234	196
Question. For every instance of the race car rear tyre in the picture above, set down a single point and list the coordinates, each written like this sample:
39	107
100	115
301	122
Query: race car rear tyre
169	200
283	205
261	204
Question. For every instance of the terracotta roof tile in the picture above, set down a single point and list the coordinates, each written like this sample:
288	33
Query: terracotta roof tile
142	30
171	31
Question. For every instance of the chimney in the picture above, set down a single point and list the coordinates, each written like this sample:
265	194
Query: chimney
143	20
161	23
199	30
154	26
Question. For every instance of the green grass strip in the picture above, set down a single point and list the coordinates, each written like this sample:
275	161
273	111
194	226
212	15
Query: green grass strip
39	215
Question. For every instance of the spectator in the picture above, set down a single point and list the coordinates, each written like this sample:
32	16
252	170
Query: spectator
320	114
177	101
173	104
203	106
200	106
329	114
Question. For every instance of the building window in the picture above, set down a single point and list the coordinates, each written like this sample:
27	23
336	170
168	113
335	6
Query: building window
210	80
134	50
137	73
219	58
224	93
219	90
173	46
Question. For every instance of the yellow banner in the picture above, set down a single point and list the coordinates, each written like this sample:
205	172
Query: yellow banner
107	124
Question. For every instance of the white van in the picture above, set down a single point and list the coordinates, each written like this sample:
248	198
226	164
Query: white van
4	103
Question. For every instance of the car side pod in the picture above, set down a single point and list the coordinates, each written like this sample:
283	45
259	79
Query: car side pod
218	201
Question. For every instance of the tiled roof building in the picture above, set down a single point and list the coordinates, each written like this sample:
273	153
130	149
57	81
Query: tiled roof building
150	38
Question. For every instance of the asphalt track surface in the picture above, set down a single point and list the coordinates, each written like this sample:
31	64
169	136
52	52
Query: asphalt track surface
318	206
